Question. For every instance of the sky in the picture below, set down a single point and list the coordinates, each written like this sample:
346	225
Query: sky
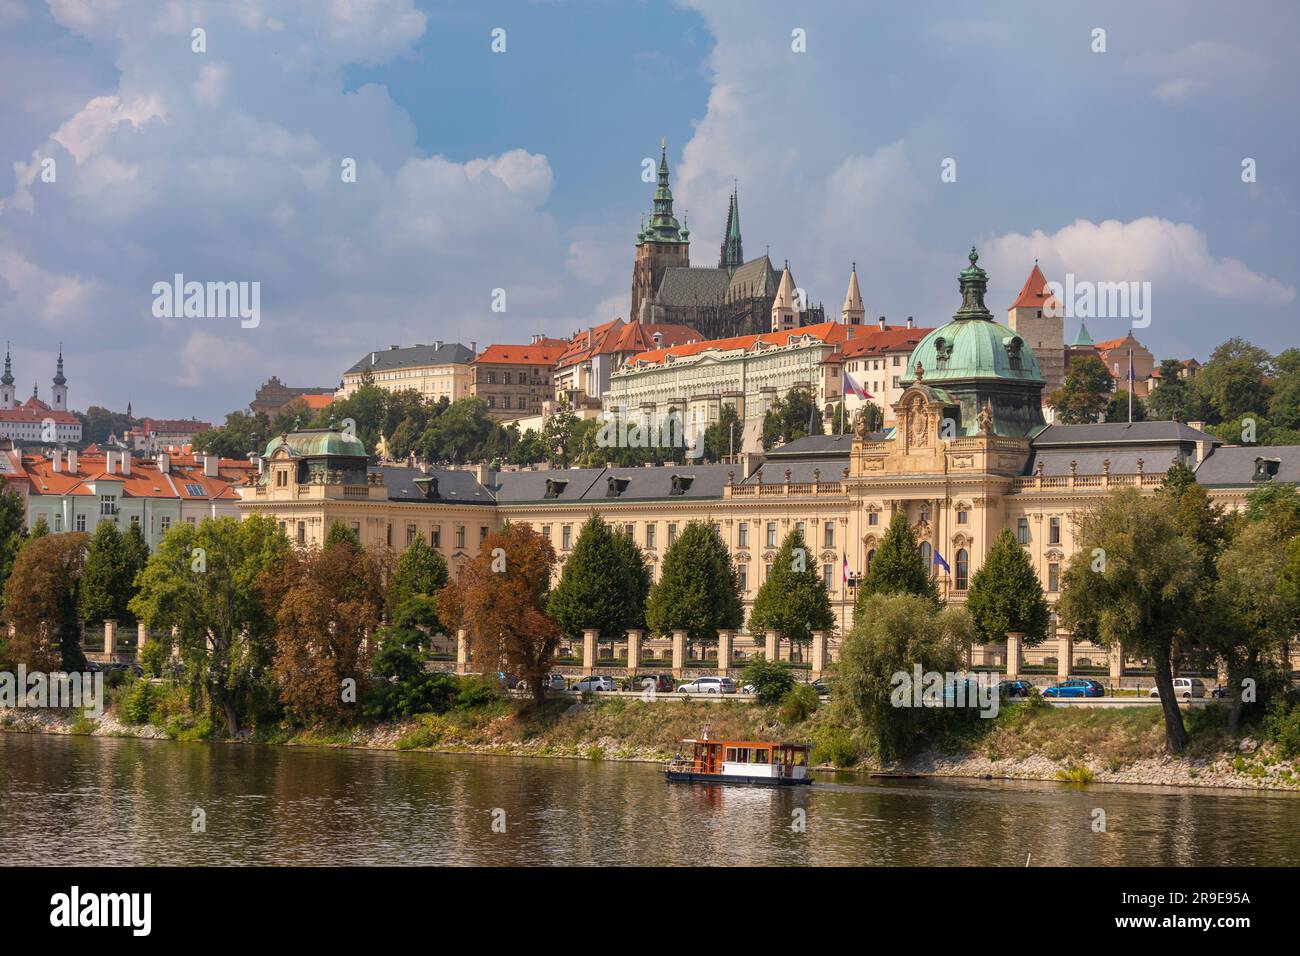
512	176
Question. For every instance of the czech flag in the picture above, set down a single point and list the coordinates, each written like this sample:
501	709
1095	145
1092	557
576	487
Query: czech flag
851	387
846	566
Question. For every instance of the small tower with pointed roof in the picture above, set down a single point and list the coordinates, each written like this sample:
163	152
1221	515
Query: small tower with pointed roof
784	315
732	256
7	382
854	312
1037	317
59	393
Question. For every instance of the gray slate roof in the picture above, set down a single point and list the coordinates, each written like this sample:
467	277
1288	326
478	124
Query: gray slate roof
1234	466
817	445
1113	433
453	486
707	481
772	471
682	286
514	486
451	353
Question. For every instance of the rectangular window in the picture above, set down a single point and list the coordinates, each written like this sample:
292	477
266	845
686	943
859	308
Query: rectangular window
1022	530
827	570
743	534
165	522
58	522
1054	531
546	532
566	538
410	534
771	534
742	575
435	536
107	504
650	536
482	533
828	535
672	533
460	536
81	522
1053	577
873	518
302	532
388	534
629	529
135	519
962	516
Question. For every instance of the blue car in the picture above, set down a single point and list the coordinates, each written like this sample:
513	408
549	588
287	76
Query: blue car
1076	687
1014	688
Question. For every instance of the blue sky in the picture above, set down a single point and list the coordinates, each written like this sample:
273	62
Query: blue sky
521	170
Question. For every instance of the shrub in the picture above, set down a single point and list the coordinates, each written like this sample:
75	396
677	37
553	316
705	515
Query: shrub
797	704
834	745
477	692
138	703
153	658
1284	727
772	680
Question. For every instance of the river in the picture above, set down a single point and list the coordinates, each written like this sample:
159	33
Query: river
107	801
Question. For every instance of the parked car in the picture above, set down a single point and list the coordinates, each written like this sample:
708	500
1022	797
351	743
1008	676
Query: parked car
1220	692
661	683
112	666
1184	687
594	682
709	685
1076	687
552	681
508	681
1014	688
819	685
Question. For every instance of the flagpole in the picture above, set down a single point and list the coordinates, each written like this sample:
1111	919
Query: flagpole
1130	385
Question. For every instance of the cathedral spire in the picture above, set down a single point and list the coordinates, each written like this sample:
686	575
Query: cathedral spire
58	371
853	312
663	228
732	256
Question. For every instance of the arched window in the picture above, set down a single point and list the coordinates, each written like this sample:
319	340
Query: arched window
870	555
963	569
925	555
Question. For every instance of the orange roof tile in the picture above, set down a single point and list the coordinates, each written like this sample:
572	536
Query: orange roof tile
639	337
545	352
830	332
873	341
1034	293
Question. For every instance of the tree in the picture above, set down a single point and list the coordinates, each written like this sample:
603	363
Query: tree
897	568
636	582
771	680
420	573
698	590
1117	409
500	597
894	634
791	418
339	533
241	434
206	581
723	437
1236	379
98	424
13	529
599	585
107	580
1278	505
41	599
1177	397
402	687
39	530
1084	395
793	600
1132	586
557	434
1006	596
327	603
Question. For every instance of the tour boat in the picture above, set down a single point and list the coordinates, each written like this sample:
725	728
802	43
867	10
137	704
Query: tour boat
761	762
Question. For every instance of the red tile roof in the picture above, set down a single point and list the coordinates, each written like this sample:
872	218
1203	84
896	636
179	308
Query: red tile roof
546	352
829	332
35	410
873	341
1034	293
639	337
144	481
586	343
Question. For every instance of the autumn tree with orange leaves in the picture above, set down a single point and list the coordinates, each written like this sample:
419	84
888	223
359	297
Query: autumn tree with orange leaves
500	597
40	601
328	603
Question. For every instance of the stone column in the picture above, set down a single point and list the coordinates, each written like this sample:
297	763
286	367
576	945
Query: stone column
769	645
633	650
176	643
1014	658
1064	655
679	653
725	639
1221	671
589	648
110	639
141	635
462	650
818	653
1116	653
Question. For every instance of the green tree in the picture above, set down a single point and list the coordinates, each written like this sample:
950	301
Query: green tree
206	581
107	580
241	434
402	687
791	418
557	434
1236	379
1133	584
1085	393
1117	408
1177	397
636	581
421	572
1278	505
1006	596
793	601
598	584
13	529
894	634
698	590
724	436
339	533
897	568
771	680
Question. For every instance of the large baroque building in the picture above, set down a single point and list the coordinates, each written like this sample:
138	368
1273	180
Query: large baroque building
35	421
441	370
970	456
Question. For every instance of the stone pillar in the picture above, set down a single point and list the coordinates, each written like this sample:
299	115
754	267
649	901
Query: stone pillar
1221	671
141	635
589	648
679	653
633	650
110	638
1116	654
462	650
1064	655
769	645
818	653
725	639
1014	658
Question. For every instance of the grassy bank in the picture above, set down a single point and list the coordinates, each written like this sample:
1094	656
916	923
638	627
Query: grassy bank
1026	742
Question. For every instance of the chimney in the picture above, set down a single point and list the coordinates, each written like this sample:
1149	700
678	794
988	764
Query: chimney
882	323
72	461
210	465
56	459
910	323
125	458
108	462
437	344
483	474
659	339
372	358
261	465
750	461
164	464
473	347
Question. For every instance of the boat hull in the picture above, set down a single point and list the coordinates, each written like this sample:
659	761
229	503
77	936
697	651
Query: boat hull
687	776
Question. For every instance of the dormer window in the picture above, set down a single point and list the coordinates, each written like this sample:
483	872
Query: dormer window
681	484
614	487
1014	345
942	351
555	487
428	486
1266	469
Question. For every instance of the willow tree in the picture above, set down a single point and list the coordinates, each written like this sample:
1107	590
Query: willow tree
1133	585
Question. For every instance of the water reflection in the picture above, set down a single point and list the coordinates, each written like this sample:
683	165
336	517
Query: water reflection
130	802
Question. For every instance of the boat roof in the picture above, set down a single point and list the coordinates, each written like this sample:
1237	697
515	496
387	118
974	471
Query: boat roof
744	743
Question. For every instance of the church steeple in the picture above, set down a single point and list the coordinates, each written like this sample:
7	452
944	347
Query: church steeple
732	256
660	244
853	312
664	227
7	382
59	394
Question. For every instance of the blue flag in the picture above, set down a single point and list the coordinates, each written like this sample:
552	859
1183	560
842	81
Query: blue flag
938	559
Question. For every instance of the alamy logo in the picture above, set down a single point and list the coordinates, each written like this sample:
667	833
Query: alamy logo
103	909
671	430
208	300
1084	299
38	689
949	689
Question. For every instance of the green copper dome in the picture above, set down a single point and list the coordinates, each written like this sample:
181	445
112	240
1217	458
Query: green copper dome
973	345
316	442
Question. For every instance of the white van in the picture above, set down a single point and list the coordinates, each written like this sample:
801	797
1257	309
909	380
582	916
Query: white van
1184	687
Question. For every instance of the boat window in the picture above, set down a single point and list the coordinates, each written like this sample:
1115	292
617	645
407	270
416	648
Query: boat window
760	756
798	758
731	755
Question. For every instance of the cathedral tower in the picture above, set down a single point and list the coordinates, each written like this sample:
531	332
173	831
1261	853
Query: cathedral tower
732	256
662	243
1038	319
7	382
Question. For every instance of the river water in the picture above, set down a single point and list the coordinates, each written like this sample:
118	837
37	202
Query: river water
105	801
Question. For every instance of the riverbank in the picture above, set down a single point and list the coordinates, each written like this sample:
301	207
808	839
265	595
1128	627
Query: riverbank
1124	746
